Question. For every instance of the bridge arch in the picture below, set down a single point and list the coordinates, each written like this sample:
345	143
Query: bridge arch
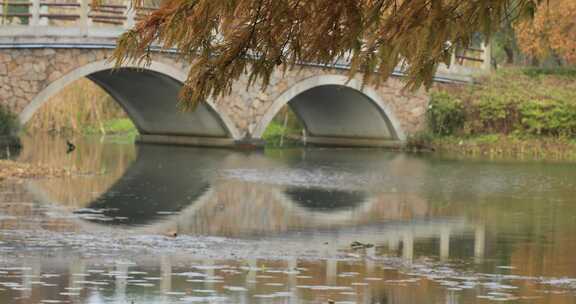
148	95
323	104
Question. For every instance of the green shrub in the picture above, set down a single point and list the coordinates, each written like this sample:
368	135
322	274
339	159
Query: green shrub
524	102
284	129
420	141
275	132
497	113
445	114
537	72
549	117
8	122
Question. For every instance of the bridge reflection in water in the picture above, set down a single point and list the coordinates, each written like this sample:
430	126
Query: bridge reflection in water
306	197
435	222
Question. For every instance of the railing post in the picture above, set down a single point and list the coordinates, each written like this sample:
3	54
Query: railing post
331	271
84	16
444	243
479	242
487	56
130	14
453	61
408	247
35	20
43	11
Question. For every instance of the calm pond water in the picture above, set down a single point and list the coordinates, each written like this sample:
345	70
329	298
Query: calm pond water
158	224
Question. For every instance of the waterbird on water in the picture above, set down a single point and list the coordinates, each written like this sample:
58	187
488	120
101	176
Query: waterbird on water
171	233
69	147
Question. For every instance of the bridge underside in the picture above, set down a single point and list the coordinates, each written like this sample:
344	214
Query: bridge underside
335	115
150	99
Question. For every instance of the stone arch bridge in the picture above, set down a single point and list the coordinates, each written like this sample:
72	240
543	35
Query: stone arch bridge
46	45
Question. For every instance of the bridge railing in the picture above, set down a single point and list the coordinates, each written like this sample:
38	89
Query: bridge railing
75	13
78	21
467	62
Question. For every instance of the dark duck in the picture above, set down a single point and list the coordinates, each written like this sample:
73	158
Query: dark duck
69	147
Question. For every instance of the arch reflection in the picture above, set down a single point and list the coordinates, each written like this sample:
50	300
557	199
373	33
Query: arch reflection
229	193
160	182
326	200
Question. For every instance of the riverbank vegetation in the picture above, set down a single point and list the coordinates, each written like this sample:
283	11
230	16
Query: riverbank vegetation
81	108
9	127
285	130
18	170
514	111
8	122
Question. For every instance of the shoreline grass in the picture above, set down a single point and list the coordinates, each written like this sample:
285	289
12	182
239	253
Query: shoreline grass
498	146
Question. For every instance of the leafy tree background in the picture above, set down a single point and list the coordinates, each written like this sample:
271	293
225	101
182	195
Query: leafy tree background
551	34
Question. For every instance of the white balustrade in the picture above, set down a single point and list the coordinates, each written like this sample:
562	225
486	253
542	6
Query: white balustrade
130	15
83	15
35	11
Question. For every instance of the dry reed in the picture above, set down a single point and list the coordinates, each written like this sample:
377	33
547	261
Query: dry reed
81	104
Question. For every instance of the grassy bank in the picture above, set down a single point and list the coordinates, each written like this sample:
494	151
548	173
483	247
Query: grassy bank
513	112
506	146
112	126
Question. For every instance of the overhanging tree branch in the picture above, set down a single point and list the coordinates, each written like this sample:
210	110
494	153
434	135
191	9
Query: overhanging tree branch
225	39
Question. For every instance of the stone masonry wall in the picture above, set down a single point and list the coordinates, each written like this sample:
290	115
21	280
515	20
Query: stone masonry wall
24	73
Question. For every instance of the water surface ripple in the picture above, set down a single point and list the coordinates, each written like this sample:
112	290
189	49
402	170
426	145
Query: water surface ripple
157	224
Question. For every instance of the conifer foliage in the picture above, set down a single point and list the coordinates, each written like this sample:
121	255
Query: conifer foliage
224	39
552	32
